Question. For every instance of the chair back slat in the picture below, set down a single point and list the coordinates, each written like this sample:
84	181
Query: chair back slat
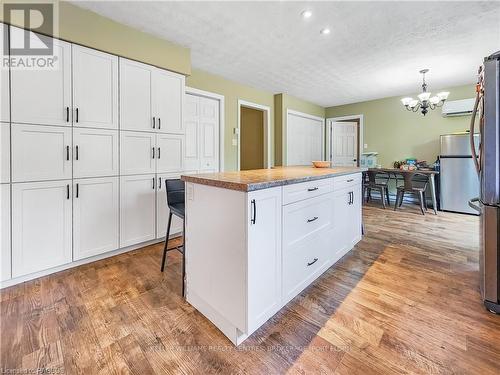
175	189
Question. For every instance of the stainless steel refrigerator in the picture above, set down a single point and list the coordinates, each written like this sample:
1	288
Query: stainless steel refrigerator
458	180
487	163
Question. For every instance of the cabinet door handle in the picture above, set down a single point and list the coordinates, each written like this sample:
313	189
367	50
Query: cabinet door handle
311	263
77	190
159	183
352	197
67	191
153	152
313	219
350	180
154	122
254	212
76	151
312	189
67	114
67	153
158	150
77	115
159	123
153	183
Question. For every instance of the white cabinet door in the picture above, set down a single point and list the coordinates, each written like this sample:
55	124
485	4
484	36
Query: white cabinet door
40	153
169	153
4	152
4	82
209	134
137	153
168	95
162	210
95	216
136	96
137	209
191	125
95	88
264	255
41	226
5	257
347	219
95	152
42	96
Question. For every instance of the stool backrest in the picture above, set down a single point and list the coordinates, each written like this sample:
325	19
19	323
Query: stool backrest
420	182
175	191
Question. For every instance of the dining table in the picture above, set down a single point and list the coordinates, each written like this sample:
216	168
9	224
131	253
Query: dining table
429	172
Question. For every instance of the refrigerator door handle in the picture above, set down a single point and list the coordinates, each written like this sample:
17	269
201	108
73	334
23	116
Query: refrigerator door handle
471	133
473	205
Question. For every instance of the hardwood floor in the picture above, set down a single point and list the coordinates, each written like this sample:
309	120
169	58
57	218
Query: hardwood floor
405	300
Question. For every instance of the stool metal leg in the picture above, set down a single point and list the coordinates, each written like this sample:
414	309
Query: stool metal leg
165	249
184	258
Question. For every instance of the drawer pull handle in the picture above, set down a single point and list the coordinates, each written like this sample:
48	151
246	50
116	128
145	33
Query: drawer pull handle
312	189
311	263
350	180
254	212
313	219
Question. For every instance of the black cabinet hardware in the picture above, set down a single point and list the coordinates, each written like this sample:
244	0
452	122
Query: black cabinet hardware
67	191
350	180
313	219
314	261
312	189
154	122
158	151
254	212
77	190
67	152
77	115
153	183
159	183
76	152
67	114
159	123
153	152
351	198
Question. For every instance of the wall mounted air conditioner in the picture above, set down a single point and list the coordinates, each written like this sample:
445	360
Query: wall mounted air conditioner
462	107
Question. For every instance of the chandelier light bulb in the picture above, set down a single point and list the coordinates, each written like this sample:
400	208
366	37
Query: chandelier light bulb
434	100
424	96
406	101
443	95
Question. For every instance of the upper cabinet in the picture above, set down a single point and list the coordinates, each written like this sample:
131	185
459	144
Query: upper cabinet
150	98
42	96
4	83
95	88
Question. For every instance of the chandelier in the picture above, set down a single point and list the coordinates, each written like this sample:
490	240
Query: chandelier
425	101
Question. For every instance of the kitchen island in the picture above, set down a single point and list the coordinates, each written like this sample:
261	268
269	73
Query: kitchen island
255	239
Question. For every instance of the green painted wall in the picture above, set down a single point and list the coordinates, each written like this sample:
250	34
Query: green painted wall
87	28
396	133
284	102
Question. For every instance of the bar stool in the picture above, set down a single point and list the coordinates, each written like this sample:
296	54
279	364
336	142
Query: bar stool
175	201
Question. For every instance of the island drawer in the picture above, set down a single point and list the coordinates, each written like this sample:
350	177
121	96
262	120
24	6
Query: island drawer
346	181
304	190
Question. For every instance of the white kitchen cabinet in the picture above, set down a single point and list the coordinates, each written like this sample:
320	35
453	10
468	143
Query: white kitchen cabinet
169	153
41	226
95	216
136	111
95	152
4	82
168	95
40	152
162	209
42	96
95	88
137	209
4	152
137	153
347	219
5	254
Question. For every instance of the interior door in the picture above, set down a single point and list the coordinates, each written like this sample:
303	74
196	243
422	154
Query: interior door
136	96
191	126
168	94
162	209
345	144
169	153
209	134
95	152
5	254
41	227
137	209
40	153
4	83
95	88
95	216
305	139
42	96
4	152
137	152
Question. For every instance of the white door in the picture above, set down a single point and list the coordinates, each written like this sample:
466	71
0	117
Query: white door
137	209
95	152
40	153
169	153
95	216
168	94
162	210
4	152
42	96
5	257
136	96
191	126
137	153
95	88
209	134
264	255
305	139
4	82
41	226
344	144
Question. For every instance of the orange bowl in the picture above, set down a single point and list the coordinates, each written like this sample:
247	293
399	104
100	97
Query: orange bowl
321	164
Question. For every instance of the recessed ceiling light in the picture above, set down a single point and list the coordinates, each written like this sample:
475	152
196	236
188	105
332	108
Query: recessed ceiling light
306	14
325	31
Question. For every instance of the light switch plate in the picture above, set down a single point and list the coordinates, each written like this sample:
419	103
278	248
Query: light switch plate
235	142
365	146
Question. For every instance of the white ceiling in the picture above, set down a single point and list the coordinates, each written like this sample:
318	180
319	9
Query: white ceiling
375	49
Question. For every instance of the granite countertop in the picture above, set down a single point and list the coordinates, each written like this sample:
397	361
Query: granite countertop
258	179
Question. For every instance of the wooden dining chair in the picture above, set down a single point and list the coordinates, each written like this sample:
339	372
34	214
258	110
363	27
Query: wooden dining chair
377	180
413	186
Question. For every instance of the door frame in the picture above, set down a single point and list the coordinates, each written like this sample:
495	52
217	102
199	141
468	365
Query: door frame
285	132
329	133
267	130
220	98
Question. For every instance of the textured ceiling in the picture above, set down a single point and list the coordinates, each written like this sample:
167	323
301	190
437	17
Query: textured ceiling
374	50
